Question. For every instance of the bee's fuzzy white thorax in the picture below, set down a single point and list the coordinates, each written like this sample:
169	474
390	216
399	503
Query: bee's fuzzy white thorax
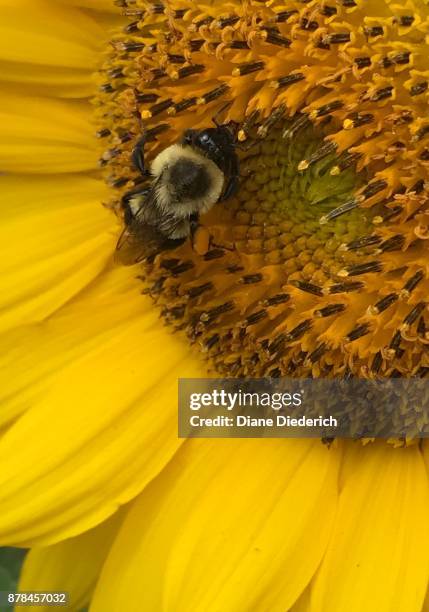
165	192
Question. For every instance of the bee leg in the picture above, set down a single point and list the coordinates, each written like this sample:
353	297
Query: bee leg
247	146
215	119
194	224
137	156
231	189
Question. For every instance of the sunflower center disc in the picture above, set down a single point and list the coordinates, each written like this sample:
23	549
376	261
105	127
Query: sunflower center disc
318	266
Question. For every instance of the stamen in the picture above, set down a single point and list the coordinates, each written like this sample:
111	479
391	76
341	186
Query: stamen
217	311
195	45
361	243
345	287
299	330
405	20
194	292
250	279
412	316
157	8
371	266
238	44
213	94
392	244
271	121
187	71
283	16
377	362
326	109
214	254
349	159
275	38
421	133
106	88
357	120
336	39
391	212
373	188
132	27
247	125
206	21
328	11
363	62
227	21
152	133
422	372
248	68
331	309
182	106
419	88
373	31
412	283
212	341
275	300
285	81
144	98
256	317
396	341
103	133
306	24
326	149
277	344
307	287
384	303
157	109
358	332
298	124
318	352
382	94
176	59
178	13
340	210
181	268
421	327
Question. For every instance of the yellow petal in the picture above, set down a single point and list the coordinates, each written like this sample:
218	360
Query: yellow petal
50	49
46	80
303	604
43	33
105	425
229	525
72	565
73	331
425	607
41	135
55	237
33	355
377	557
97	5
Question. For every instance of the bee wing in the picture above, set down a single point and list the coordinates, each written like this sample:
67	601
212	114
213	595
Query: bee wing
141	239
138	242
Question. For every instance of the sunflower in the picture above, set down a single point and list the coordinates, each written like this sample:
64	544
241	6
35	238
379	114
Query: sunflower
318	266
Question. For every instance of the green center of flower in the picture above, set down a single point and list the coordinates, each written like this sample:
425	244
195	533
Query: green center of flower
280	211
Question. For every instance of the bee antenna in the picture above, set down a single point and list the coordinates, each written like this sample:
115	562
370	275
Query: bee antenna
245	146
215	119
